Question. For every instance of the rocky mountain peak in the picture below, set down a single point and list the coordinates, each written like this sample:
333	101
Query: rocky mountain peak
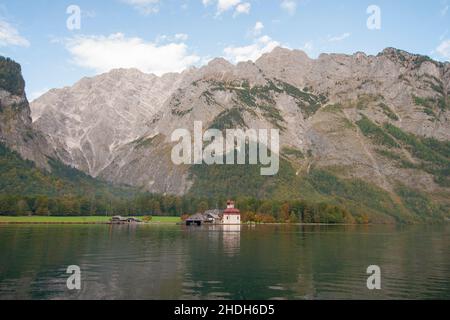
11	77
15	121
117	126
219	63
406	59
88	121
283	56
216	68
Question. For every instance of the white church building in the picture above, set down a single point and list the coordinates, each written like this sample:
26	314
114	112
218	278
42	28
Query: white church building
231	215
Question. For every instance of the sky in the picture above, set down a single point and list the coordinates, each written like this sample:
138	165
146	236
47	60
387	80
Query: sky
58	42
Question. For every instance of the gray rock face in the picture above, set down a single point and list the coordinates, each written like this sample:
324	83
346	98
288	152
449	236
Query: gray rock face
89	122
16	130
117	126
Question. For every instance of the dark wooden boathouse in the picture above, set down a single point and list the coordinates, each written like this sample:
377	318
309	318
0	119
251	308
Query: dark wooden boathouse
197	219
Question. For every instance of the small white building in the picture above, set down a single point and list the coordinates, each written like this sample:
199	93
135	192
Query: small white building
231	215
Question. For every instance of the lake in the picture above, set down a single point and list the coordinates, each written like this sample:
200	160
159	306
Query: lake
234	262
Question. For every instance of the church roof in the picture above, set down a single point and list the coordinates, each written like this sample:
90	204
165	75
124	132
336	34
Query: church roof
230	211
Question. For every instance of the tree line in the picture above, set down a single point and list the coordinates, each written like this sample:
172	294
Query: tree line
253	210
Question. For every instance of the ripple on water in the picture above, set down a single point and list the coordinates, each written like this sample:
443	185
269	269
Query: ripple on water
265	262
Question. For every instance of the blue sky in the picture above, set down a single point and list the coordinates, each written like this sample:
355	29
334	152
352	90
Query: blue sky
166	35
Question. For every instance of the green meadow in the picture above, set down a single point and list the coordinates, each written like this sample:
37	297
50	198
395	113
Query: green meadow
74	220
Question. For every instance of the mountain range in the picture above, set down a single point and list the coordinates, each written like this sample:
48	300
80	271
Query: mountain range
368	132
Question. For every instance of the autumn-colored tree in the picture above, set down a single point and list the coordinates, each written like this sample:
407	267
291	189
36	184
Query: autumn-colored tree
248	216
284	214
348	218
364	218
265	218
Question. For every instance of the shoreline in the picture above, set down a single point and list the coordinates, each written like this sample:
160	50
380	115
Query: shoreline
157	220
169	223
83	223
77	220
178	223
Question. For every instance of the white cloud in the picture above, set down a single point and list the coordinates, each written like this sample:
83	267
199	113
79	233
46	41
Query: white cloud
445	9
102	54
339	38
444	49
225	5
242	8
145	7
181	37
251	52
257	29
9	36
290	6
237	6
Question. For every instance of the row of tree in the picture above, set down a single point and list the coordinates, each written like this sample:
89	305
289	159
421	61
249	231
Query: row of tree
253	210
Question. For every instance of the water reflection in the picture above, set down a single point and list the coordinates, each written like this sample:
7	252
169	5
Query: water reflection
231	239
224	262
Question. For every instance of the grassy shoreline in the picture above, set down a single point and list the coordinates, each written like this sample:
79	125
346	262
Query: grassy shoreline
76	220
5	220
92	220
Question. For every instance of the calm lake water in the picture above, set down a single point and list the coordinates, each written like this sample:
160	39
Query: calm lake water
262	262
